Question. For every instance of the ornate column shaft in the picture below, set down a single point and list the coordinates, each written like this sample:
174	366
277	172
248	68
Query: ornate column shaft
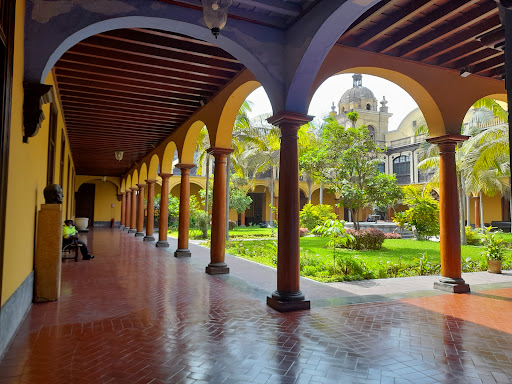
451	267
150	219
128	214
164	212
133	212
123	210
476	205
184	218
288	296
218	234
140	210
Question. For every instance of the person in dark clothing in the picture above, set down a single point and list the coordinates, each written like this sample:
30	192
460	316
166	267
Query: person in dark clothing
70	234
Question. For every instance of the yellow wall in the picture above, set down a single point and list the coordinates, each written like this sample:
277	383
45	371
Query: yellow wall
27	176
491	208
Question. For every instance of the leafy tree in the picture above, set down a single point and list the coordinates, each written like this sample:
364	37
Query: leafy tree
422	217
239	201
312	216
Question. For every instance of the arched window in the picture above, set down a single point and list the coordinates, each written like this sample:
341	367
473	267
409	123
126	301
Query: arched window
368	107
371	131
381	168
401	165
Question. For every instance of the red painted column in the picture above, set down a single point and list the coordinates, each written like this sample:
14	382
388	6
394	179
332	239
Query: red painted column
151	211
128	214
242	219
288	296
133	212
184	218
218	234
140	210
123	210
451	266
164	212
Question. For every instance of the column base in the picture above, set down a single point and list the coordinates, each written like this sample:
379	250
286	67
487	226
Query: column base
453	285
182	253
132	230
217	269
126	229
139	234
121	227
148	238
162	244
288	302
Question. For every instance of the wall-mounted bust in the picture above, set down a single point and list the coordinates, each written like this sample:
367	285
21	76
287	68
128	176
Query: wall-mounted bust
53	194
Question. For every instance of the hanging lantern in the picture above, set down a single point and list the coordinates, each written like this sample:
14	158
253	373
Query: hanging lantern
215	14
119	155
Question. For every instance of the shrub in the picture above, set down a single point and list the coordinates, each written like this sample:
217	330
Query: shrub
312	216
303	232
202	222
423	215
370	238
473	237
493	246
232	224
392	236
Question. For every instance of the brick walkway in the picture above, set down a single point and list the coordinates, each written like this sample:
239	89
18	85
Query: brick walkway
135	314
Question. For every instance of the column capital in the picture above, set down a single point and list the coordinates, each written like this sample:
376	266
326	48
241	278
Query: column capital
134	189
150	181
165	175
142	185
219	151
123	193
289	118
448	139
185	167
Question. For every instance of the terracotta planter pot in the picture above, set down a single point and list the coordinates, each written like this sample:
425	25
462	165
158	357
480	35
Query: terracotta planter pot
494	266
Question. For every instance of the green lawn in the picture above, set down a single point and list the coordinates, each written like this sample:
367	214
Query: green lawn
236	233
397	257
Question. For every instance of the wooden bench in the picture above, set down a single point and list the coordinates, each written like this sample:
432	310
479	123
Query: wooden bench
70	251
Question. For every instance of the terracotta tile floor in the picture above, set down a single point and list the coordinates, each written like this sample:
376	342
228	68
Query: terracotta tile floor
135	314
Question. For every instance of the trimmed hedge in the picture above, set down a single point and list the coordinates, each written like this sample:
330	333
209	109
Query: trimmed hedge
370	238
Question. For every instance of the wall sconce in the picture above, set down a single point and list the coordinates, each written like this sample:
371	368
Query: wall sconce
104	178
464	72
215	14
119	155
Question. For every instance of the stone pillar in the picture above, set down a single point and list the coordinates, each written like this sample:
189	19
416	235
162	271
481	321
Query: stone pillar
123	210
218	233
140	210
164	212
48	256
128	214
476	204
451	266
288	296
150	219
133	211
184	219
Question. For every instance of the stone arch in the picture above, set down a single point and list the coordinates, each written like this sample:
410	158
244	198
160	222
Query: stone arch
222	133
128	183
123	185
189	145
109	180
143	175
153	167
135	179
168	157
422	97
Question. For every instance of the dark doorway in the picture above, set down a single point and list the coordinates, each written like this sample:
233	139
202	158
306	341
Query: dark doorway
303	200
505	209
85	202
254	214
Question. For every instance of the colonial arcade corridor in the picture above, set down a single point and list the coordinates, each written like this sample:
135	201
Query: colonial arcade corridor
136	314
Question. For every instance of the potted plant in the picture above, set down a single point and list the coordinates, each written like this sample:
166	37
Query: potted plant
493	250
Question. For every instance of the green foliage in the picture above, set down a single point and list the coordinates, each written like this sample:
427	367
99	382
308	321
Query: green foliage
312	216
400	219
370	238
473	237
202	222
493	245
238	200
422	217
338	236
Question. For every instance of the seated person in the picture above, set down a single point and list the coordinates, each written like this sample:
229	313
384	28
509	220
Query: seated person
70	234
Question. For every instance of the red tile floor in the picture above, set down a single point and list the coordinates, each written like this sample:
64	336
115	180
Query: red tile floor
135	314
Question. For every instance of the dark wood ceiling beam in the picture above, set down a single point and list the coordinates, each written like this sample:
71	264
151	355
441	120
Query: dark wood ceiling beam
497	72
487	65
459	53
174	94
128	96
367	18
119	107
464	21
116	111
99	125
115	58
476	58
457	40
133	52
168	42
63	73
111	115
429	21
150	107
392	21
79	62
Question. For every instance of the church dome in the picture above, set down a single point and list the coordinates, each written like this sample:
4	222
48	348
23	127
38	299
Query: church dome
357	92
